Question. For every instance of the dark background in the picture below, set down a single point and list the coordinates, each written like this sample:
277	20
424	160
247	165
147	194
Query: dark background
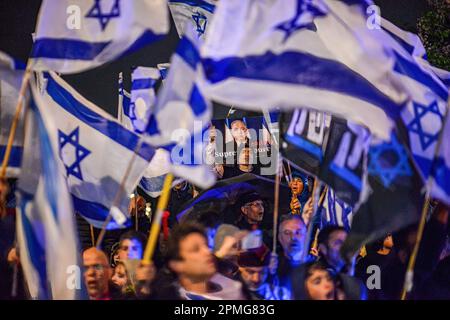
18	19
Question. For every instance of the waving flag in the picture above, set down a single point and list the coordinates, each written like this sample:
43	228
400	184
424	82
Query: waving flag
46	231
143	81
424	115
73	37
197	13
152	181
182	116
11	73
95	150
336	212
267	54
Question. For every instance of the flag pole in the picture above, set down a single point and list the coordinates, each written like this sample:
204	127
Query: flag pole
91	227
409	276
156	223
135	210
12	131
275	207
119	193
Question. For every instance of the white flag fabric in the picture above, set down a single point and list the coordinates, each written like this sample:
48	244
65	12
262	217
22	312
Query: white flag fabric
152	181
301	53
73	36
46	230
182	116
11	74
143	82
197	13
336	212
96	151
427	107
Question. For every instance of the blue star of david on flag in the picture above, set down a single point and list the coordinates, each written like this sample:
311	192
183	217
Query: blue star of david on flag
72	157
421	111
200	20
388	161
103	17
303	19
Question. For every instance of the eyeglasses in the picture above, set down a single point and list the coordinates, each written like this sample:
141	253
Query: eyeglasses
97	267
255	204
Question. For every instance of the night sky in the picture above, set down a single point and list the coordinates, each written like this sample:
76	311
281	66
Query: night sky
18	19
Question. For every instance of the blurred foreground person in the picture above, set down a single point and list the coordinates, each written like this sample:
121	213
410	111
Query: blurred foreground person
254	273
193	272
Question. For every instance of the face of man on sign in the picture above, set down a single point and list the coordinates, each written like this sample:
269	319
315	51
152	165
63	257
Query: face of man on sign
239	131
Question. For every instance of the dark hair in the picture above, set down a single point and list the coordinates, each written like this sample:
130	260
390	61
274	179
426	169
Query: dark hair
133	235
326	232
312	266
179	233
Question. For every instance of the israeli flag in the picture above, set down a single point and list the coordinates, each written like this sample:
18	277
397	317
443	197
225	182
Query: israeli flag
336	212
45	223
316	54
96	152
195	13
424	115
73	37
181	116
143	81
152	181
11	74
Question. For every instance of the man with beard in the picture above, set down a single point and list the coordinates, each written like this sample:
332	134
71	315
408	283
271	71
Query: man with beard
254	273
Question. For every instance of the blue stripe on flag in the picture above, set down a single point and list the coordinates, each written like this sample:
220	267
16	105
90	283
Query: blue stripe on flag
15	159
139	84
188	52
441	174
347	175
303	144
409	48
92	210
413	71
67	49
302	69
111	129
145	39
196	3
197	102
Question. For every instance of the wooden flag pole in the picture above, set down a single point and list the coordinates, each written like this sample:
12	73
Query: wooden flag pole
12	131
275	207
119	193
91	227
409	277
156	223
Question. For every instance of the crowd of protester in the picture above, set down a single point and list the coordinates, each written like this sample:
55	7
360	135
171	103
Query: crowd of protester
235	258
